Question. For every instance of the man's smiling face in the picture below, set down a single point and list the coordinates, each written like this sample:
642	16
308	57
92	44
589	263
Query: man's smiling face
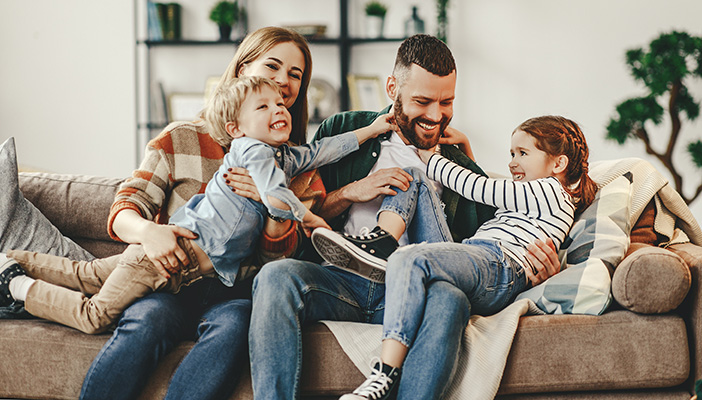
424	106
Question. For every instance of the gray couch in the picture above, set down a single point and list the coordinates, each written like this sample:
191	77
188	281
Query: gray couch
618	355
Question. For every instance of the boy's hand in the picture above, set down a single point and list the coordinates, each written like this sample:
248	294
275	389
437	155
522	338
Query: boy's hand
383	123
311	221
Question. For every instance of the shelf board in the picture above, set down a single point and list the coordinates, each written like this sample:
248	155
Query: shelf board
311	40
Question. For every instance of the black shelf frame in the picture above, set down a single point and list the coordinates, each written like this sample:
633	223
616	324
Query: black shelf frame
344	42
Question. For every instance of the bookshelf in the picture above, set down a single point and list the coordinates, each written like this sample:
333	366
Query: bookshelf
148	125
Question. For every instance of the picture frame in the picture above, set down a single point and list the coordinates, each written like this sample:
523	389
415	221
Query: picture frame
185	106
366	92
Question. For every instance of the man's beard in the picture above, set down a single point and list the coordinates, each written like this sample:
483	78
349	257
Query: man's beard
409	128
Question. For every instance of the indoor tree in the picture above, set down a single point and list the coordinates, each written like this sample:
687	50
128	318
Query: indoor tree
671	60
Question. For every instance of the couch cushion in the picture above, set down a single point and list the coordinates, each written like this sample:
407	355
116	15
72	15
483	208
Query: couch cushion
616	350
22	225
594	246
78	204
651	280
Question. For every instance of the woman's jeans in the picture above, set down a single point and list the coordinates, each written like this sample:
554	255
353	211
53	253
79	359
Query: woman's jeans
215	316
489	279
420	208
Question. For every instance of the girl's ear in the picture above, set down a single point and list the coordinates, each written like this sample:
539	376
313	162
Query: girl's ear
391	87
233	130
561	163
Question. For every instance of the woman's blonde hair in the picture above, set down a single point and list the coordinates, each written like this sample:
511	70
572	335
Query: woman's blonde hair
262	40
225	104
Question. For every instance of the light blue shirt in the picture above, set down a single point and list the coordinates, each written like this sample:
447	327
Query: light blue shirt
228	225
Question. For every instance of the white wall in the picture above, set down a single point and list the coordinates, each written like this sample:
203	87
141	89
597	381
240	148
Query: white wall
67	84
67	76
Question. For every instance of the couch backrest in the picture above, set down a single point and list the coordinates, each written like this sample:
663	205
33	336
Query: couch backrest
78	205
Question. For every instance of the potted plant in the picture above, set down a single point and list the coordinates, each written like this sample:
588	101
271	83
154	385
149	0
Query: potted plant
375	18
225	14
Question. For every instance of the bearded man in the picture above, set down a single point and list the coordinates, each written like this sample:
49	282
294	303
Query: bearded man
289	293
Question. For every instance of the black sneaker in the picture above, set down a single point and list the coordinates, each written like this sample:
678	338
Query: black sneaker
382	384
365	255
8	270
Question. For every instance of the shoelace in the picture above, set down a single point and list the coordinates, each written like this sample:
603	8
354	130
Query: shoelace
364	234
376	385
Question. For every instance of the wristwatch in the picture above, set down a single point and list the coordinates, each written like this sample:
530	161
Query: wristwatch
276	219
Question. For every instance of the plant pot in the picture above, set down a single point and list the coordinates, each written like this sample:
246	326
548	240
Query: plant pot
374	26
225	32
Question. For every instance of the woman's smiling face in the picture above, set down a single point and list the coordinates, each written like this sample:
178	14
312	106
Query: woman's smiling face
284	63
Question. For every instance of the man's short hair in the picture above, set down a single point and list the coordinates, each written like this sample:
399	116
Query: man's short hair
427	52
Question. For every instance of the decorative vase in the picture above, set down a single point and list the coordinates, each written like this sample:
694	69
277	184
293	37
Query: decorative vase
374	26
414	24
225	32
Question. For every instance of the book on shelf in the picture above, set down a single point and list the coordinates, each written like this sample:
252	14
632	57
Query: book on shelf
164	21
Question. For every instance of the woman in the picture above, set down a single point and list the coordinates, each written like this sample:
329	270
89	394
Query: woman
177	165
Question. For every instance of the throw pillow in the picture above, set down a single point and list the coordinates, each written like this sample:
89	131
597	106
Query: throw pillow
595	244
23	226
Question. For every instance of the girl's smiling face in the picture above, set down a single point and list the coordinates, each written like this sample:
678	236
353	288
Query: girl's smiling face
263	116
528	162
284	63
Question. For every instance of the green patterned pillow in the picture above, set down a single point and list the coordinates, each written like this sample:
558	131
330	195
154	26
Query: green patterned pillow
595	245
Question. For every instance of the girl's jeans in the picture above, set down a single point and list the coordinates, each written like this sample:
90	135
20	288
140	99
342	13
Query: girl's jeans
489	279
420	208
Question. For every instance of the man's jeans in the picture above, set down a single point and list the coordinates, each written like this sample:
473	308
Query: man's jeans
478	268
290	293
207	312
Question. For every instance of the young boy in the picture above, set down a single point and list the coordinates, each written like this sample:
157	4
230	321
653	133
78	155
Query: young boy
252	112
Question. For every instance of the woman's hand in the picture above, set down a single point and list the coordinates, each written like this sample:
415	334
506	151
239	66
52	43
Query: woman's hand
543	255
312	221
453	136
161	246
242	184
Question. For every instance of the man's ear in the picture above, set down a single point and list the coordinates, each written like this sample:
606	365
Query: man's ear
391	87
561	163
233	130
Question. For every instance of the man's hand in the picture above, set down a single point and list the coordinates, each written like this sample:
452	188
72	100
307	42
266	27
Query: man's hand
161	246
544	257
376	184
242	184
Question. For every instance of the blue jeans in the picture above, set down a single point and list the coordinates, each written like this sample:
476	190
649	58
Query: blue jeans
478	268
420	208
215	316
289	293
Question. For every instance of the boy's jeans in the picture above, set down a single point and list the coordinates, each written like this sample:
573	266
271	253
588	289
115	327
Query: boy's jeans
489	279
62	288
420	208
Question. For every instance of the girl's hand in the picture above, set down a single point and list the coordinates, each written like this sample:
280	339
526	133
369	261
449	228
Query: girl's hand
453	136
241	183
312	221
161	246
425	155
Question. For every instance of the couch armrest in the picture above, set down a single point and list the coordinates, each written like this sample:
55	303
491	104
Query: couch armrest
691	309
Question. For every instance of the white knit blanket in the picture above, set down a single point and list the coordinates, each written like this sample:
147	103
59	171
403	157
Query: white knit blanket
484	348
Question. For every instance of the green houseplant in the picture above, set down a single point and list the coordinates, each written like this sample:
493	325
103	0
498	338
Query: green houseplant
225	14
671	60
375	18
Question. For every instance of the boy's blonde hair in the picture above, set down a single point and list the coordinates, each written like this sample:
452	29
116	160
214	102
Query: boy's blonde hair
225	104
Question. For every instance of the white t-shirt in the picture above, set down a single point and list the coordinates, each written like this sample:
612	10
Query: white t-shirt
393	153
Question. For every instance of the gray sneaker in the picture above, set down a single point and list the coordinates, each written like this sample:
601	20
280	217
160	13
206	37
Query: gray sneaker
365	255
8	270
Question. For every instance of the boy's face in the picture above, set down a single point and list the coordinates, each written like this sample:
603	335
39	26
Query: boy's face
528	162
263	116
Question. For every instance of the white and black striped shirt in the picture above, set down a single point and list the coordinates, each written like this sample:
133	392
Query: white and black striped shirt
526	211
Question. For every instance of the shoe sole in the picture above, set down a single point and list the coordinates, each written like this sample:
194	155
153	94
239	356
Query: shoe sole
337	251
